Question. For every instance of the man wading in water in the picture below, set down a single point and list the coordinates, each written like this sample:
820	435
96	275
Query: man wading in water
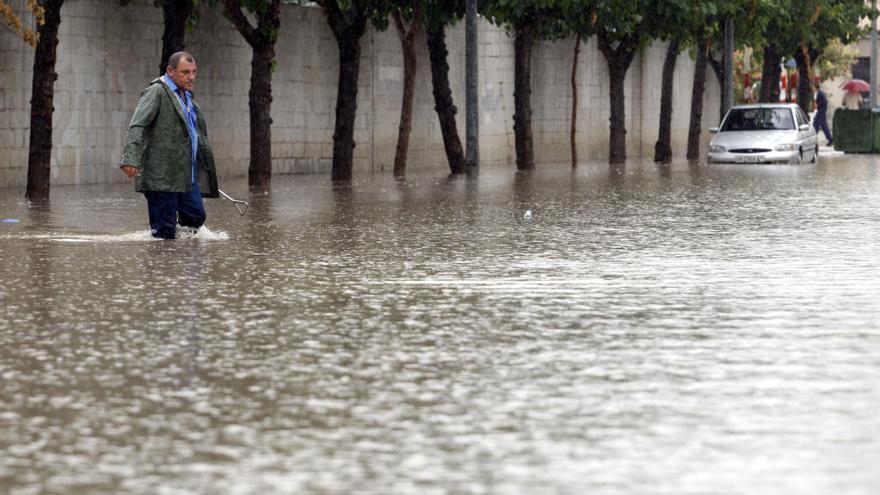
167	151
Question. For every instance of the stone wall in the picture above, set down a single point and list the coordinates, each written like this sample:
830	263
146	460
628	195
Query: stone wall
108	53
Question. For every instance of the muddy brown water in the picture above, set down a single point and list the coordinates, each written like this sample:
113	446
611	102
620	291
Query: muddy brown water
676	330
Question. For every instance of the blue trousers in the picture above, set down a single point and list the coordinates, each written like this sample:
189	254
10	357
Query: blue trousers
167	209
821	122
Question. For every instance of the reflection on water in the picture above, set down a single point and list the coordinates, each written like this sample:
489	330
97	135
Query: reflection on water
647	330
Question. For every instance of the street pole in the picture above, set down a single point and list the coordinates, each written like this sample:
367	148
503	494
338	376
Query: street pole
728	66
873	75
472	141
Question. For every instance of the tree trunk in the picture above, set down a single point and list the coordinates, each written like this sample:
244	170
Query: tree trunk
770	73
617	138
805	85
574	100
348	28
346	108
619	60
42	103
522	96
472	86
699	88
174	36
260	105
663	148
443	103
718	69
262	41
410	65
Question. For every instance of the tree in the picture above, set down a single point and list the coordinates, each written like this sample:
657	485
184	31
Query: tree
623	27
438	15
261	38
686	24
801	29
697	91
822	22
528	20
705	26
681	21
715	60
663	146
42	101
348	21
770	73
580	20
836	59
407	12
778	34
13	23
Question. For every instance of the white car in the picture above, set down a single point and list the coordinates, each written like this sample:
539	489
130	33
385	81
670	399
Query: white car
764	133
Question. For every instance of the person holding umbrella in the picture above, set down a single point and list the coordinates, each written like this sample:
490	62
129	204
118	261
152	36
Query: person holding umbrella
854	88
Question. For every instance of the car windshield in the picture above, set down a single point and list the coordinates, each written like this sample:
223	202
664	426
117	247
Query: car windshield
758	119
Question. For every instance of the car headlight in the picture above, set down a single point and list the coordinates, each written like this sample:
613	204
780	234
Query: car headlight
716	149
786	147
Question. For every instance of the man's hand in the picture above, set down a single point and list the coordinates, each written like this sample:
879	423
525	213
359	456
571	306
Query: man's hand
129	170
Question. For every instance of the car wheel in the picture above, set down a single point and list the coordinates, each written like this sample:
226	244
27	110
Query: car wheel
800	158
816	153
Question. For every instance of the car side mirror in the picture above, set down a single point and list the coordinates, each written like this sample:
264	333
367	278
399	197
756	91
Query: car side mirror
805	127
714	130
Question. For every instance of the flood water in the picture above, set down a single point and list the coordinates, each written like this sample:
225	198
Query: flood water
682	330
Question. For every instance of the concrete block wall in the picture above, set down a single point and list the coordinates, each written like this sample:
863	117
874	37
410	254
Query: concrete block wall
105	54
108	53
16	59
552	102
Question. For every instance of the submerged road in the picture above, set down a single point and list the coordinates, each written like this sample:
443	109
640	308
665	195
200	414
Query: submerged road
675	330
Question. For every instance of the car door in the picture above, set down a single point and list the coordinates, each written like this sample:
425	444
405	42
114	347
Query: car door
807	138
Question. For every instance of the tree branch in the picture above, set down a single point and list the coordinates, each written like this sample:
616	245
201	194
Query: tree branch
398	25
416	22
335	17
233	12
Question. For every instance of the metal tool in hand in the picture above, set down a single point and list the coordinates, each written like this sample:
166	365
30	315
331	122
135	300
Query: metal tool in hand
240	205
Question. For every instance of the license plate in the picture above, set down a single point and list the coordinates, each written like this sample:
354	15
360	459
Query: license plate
750	159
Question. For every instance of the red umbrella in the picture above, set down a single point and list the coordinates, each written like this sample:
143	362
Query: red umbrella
856	86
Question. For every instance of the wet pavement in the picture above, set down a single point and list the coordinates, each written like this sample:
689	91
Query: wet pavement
663	330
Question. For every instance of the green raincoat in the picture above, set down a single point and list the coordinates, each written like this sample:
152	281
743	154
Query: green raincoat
158	145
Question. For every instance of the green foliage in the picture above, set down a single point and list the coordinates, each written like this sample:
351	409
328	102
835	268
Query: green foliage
440	13
268	21
546	17
789	24
806	28
836	20
836	59
376	11
647	20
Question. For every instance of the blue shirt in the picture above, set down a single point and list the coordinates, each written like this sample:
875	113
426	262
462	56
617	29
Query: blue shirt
821	104
191	123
